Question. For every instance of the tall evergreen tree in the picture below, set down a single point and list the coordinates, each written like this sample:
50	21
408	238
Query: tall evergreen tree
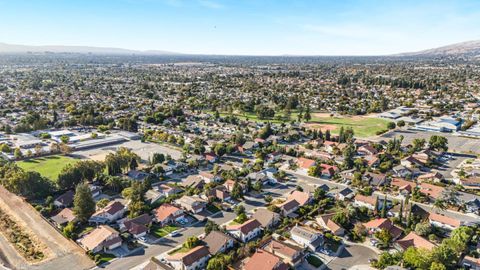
83	203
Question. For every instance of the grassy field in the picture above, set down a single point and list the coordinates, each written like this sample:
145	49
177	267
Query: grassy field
160	232
48	167
362	126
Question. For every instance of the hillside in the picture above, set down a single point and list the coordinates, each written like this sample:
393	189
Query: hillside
463	49
15	48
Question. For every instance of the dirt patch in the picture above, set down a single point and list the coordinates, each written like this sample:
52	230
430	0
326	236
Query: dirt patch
323	127
61	252
322	115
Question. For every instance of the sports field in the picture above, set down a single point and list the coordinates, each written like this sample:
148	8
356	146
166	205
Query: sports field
48	167
363	126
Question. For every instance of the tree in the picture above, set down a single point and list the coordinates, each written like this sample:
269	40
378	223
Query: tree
391	125
237	191
64	139
211	226
384	207
437	142
219	149
439	204
218	262
239	209
401	123
384	236
400	214
268	199
327	135
418	144
423	229
102	203
69	230
191	242
258	186
417	258
83	203
17	153
387	259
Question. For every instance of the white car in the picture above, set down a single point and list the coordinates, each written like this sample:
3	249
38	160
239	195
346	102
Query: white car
174	233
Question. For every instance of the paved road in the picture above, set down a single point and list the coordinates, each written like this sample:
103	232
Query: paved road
352	255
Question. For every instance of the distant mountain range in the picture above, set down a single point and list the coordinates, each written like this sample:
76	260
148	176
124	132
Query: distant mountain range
470	49
14	48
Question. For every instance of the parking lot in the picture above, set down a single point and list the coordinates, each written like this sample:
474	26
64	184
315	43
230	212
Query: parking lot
456	144
144	149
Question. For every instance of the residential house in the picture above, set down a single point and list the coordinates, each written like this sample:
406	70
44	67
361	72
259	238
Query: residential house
378	224
290	254
63	217
402	171
138	226
192	204
274	157
64	200
194	259
218	242
167	213
471	263
301	197
470	183
288	207
375	179
165	190
209	177
265	261
101	238
113	211
306	237
247	231
304	164
411	162
328	171
137	175
367	150
473	206
229	184
267	218
211	157
193	181
434	177
330	146
327	223
219	193
432	191
345	194
365	201
444	222
413	240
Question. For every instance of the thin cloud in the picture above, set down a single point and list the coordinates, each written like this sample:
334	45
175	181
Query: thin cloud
210	4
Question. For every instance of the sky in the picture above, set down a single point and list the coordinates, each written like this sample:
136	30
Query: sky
243	27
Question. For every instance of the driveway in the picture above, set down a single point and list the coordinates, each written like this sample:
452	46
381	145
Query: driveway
352	255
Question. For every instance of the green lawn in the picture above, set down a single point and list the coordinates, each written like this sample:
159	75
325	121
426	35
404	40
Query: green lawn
101	258
212	209
362	126
160	232
48	167
314	261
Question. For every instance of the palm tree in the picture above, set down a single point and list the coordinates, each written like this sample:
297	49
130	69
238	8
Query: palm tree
439	204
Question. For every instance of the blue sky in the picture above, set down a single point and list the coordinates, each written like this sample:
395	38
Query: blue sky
255	27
